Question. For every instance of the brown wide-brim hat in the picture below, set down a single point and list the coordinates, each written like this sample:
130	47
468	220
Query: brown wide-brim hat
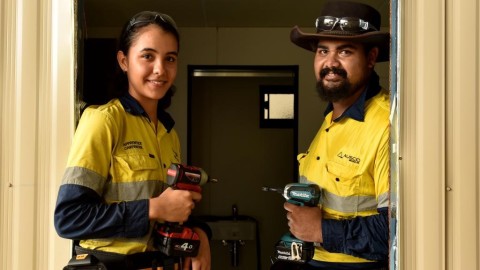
341	9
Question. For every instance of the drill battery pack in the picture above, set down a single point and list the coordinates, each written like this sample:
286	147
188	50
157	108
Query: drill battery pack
176	240
291	249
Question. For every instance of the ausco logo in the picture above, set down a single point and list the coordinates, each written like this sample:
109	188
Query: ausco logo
349	157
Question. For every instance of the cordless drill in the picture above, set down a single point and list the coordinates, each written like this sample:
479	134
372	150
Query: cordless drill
175	239
289	248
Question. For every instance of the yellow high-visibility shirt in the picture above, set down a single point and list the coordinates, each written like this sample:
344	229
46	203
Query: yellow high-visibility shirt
349	160
121	155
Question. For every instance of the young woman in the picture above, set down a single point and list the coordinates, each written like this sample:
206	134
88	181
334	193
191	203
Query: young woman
113	191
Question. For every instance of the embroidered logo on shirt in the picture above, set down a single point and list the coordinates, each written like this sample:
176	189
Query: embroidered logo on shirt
132	144
350	158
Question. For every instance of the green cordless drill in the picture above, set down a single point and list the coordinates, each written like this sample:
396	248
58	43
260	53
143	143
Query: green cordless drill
289	248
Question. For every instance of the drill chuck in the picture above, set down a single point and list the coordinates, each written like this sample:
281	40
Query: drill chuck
302	194
298	193
187	177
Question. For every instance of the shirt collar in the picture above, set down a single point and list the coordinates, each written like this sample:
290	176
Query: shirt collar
133	107
357	110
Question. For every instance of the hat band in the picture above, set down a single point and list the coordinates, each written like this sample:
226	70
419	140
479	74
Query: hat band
346	24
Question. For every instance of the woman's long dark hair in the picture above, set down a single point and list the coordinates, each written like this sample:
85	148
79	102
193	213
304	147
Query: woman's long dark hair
128	35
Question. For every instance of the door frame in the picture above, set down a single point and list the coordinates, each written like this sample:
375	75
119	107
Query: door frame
243	71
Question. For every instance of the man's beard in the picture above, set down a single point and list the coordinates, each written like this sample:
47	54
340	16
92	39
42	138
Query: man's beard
335	93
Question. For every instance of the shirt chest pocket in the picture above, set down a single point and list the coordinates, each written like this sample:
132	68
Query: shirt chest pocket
341	179
137	167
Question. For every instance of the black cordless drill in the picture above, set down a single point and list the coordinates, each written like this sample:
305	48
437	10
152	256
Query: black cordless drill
175	239
289	248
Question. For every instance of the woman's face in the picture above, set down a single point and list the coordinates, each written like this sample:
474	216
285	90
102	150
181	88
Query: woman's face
151	63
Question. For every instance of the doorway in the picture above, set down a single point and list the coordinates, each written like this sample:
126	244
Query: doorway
227	139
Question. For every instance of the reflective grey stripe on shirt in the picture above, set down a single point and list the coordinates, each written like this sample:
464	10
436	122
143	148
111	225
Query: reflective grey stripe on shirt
113	191
130	191
84	177
351	204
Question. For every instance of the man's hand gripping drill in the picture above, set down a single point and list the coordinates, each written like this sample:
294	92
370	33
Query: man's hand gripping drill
289	248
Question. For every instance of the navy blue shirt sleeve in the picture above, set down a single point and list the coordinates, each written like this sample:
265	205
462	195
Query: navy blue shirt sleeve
364	237
80	213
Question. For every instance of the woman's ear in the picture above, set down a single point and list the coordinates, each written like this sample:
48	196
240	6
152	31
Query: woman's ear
372	57
122	61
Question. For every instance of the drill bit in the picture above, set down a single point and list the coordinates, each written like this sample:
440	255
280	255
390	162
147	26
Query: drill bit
278	190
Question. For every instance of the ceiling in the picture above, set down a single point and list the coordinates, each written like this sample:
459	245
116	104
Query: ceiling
217	13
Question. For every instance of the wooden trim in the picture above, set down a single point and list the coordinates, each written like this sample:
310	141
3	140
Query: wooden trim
463	138
36	101
422	147
61	114
7	66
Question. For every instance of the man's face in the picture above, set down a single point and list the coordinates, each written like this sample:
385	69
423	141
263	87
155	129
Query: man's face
342	68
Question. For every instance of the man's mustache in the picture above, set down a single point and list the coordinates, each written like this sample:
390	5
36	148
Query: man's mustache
334	70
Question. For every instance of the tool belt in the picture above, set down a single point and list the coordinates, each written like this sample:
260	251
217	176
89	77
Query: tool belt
116	261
